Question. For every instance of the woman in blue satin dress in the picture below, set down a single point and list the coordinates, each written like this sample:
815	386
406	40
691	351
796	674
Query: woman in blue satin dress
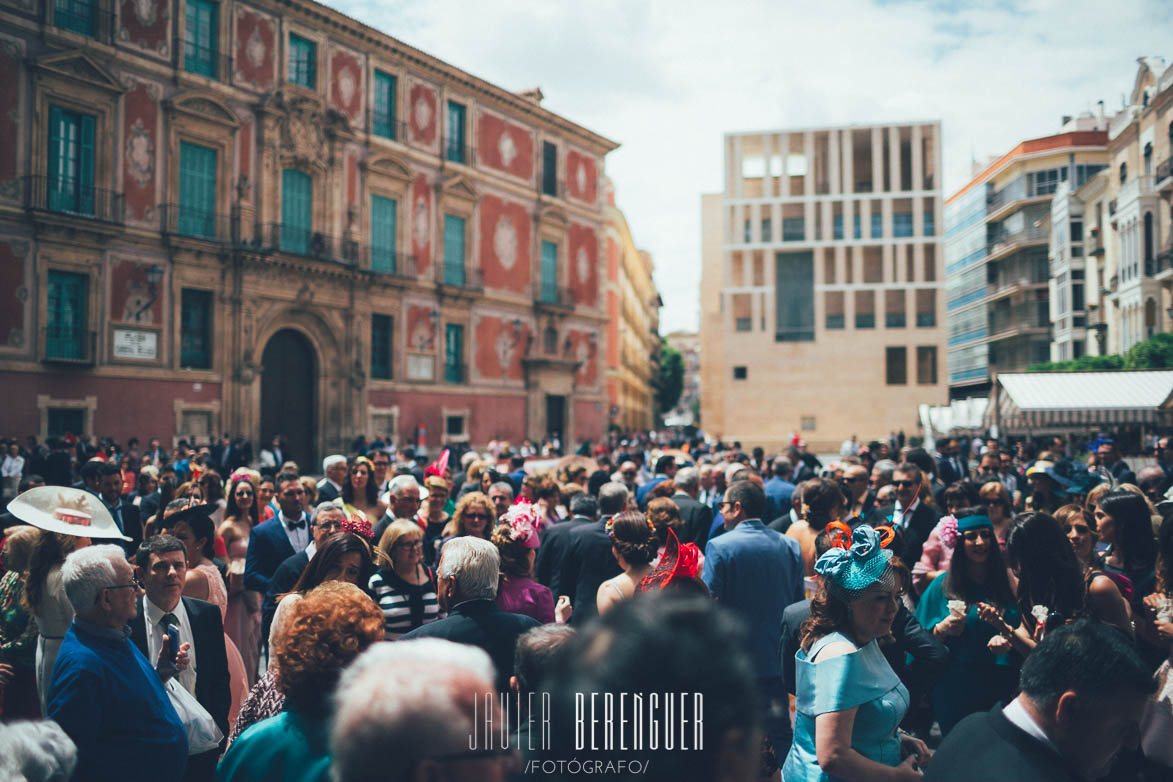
849	701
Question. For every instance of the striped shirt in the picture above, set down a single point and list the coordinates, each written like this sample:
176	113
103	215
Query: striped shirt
405	606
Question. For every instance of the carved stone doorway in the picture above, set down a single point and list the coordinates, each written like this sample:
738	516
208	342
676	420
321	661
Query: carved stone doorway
288	385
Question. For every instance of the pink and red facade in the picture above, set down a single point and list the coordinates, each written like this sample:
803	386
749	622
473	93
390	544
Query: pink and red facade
173	321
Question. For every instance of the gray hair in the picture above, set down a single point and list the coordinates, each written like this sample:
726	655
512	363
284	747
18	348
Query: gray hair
612	498
535	652
399	703
87	572
474	563
884	467
688	478
331	460
329	505
36	752
503	486
401	482
468	458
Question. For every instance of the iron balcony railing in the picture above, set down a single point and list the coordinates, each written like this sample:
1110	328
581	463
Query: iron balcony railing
68	196
554	295
69	345
298	240
197	223
386	126
459	276
203	60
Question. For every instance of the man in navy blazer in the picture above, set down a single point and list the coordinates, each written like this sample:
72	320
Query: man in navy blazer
756	572
276	540
125	513
588	561
467	589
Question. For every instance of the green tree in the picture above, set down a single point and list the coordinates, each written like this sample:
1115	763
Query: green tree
1156	352
1083	363
671	380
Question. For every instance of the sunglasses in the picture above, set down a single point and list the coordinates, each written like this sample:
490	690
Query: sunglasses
899	484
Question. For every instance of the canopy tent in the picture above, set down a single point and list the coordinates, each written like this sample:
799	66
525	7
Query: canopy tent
1054	401
960	415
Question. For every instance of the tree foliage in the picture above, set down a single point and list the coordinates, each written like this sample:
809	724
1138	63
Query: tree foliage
671	380
1156	352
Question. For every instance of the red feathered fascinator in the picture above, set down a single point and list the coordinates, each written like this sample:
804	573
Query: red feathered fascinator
440	466
678	563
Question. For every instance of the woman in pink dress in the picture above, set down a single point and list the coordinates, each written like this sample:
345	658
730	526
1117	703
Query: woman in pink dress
242	621
516	538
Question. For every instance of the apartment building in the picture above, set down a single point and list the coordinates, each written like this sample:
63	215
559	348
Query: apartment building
997	231
265	217
633	324
822	284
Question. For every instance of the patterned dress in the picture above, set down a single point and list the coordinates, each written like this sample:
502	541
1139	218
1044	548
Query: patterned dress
18	648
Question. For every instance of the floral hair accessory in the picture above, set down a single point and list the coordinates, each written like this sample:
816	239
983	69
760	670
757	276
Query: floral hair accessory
947	532
610	527
359	525
240	474
679	563
524	523
848	571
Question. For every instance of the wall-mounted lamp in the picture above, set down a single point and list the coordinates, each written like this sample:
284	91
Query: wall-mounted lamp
154	277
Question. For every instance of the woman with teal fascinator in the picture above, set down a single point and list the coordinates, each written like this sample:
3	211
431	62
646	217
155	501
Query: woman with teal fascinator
849	701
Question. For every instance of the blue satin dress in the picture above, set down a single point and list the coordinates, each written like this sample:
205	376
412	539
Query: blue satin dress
862	678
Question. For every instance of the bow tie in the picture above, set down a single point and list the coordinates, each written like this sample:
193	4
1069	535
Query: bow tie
292	525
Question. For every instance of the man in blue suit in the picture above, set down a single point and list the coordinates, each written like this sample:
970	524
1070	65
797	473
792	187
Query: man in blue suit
665	471
467	588
279	538
756	572
779	490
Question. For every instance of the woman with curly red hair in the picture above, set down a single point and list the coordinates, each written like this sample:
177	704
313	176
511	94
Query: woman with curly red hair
328	628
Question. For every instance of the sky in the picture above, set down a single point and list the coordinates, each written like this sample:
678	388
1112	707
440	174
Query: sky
667	78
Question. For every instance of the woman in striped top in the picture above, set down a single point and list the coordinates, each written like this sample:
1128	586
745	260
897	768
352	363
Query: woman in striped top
406	589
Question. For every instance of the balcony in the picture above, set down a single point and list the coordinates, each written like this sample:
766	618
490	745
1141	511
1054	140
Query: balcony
1009	200
203	61
459	279
1020	319
551	295
84	17
553	188
1094	245
297	240
197	224
455	373
1004	243
387	127
464	154
1164	177
64	345
1134	189
68	197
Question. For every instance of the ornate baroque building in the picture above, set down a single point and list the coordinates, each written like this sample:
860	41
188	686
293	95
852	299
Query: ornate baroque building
265	217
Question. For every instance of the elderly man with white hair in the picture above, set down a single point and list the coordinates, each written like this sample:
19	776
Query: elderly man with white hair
406	711
467	590
403	502
105	694
334	468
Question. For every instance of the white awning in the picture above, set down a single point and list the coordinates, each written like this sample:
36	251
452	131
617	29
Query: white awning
1037	400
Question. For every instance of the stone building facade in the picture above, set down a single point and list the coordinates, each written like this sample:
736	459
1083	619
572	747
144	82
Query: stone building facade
266	218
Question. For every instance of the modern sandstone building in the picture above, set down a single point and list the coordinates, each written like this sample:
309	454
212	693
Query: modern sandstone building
265	217
822	291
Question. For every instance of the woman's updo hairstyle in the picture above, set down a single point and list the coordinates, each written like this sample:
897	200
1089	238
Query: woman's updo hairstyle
821	498
633	537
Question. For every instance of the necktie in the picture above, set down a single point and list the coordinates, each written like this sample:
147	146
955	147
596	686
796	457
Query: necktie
292	525
169	619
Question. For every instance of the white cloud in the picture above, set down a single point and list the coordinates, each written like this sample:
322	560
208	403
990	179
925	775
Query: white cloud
667	79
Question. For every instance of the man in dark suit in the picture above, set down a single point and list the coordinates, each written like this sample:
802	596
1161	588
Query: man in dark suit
1083	691
588	560
909	515
697	518
161	567
665	471
327	520
125	513
276	540
548	564
334	468
466	585
951	467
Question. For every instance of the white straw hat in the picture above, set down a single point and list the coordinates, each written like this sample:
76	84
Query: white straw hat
65	510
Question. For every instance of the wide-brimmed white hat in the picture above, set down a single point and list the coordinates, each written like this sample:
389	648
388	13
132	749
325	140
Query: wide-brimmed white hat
66	510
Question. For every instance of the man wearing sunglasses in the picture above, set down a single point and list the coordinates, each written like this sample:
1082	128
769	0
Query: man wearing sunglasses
912	519
105	694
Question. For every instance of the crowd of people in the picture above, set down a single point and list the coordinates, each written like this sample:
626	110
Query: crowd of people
978	613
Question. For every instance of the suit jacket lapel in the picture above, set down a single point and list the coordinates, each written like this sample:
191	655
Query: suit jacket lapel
138	628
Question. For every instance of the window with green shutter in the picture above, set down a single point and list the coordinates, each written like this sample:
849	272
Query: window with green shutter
383	231
197	191
195	329
296	211
302	61
382	327
65	333
383	111
456	113
199	45
454	353
549	272
454	250
71	161
79	16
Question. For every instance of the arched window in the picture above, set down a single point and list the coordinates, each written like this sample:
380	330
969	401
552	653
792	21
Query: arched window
1123	173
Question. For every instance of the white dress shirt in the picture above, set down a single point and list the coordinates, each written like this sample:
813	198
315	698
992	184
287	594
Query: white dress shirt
153	616
13	467
298	538
900	516
1017	715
